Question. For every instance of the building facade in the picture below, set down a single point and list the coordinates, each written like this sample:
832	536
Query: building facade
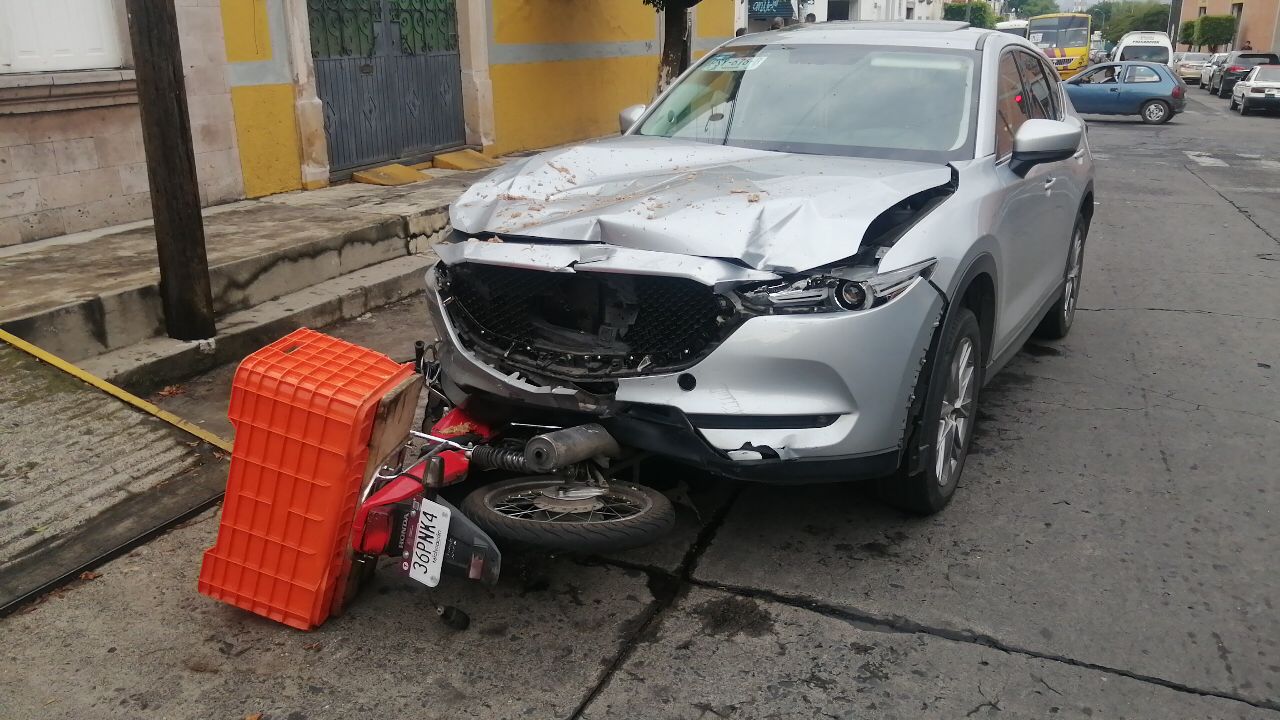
755	15
292	94
1257	21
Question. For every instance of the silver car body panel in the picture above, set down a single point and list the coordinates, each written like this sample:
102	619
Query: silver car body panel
599	257
770	210
724	215
770	366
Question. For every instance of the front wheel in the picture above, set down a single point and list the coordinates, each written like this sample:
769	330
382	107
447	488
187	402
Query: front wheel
949	414
1234	105
1155	112
1244	108
545	512
1057	322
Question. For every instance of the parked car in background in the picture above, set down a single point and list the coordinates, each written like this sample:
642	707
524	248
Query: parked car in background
1234	67
1146	89
1259	90
1206	72
1189	65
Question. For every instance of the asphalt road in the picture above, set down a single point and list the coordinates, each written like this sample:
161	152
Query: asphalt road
1112	552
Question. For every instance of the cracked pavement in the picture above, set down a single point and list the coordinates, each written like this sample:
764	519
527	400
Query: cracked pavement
1111	553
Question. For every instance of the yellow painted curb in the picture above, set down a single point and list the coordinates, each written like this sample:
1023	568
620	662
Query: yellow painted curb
393	174
464	160
116	392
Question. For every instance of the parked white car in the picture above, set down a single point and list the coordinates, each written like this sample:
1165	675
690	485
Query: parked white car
1206	72
1258	90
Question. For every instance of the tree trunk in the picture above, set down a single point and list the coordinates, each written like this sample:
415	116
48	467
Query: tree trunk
674	43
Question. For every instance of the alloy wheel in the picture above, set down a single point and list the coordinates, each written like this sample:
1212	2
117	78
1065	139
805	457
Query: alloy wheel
1155	112
1075	268
957	413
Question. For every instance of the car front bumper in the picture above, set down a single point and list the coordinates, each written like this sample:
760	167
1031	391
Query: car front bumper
785	398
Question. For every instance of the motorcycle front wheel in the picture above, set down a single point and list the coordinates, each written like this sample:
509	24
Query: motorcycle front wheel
545	512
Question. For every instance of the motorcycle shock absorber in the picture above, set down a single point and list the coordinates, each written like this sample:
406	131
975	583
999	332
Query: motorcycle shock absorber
500	458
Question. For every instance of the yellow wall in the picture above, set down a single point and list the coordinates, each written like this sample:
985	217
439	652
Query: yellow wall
573	21
544	93
245	28
266	126
714	19
267	134
537	105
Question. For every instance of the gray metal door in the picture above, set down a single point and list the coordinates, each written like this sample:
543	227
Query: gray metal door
390	77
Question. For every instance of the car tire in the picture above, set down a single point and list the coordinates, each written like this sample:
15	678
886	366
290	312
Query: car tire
1233	105
950	411
1056	323
1244	108
1222	91
1155	112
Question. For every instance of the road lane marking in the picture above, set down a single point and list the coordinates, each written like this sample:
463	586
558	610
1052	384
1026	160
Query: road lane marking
1271	164
1204	159
1247	155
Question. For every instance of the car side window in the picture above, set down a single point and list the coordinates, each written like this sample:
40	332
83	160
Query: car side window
1044	104
1011	106
1140	74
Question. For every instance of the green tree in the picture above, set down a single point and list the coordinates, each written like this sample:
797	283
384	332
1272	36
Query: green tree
1187	33
1129	17
675	44
1215	31
1032	8
975	12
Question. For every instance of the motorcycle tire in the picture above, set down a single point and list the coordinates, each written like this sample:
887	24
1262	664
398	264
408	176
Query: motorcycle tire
513	510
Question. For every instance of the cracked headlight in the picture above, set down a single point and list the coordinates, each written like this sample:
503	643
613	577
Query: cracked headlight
841	289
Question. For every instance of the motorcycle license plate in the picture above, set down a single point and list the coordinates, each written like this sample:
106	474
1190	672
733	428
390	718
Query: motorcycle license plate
426	551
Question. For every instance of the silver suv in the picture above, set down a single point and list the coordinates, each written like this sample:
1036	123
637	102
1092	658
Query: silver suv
800	264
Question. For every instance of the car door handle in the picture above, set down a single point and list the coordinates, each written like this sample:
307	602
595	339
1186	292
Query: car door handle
1049	183
1114	89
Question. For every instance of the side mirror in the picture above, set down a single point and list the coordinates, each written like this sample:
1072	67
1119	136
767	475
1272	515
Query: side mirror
629	117
1043	141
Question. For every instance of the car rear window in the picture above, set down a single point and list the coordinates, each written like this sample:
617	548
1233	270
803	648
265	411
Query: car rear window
1258	59
1268	74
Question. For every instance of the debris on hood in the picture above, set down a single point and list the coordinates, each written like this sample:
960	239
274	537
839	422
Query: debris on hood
771	211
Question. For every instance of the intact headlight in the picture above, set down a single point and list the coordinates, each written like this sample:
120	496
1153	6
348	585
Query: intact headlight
842	289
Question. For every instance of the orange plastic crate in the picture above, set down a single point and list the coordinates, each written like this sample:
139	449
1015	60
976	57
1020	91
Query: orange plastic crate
303	409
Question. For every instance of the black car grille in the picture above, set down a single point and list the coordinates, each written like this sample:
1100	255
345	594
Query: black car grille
582	325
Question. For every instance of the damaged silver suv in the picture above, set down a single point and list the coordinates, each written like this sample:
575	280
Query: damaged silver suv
800	264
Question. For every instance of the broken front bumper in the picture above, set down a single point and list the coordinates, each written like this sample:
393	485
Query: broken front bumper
782	399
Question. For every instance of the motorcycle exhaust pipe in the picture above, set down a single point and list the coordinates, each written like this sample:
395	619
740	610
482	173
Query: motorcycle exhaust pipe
558	449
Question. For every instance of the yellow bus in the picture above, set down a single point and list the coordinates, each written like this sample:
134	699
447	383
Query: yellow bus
1064	38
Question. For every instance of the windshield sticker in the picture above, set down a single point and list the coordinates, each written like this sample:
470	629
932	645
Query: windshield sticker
1037	37
728	62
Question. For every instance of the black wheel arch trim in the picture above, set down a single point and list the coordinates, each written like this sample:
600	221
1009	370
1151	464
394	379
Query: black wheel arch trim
982	263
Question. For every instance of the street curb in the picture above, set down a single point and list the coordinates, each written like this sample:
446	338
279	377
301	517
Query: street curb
154	363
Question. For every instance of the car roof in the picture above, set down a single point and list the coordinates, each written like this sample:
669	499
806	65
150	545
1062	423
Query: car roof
907	33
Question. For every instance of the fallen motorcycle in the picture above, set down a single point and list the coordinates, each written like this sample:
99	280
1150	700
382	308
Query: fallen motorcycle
327	477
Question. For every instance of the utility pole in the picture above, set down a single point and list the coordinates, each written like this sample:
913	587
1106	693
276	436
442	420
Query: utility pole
171	170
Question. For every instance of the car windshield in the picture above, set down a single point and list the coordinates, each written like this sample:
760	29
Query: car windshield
868	101
1148	53
1268	74
1065	31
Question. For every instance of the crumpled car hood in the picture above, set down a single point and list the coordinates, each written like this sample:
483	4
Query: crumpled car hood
772	211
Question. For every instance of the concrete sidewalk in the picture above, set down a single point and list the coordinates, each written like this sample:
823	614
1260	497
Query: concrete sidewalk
277	263
83	473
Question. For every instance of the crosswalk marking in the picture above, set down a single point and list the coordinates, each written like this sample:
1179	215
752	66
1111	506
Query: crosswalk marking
1204	159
